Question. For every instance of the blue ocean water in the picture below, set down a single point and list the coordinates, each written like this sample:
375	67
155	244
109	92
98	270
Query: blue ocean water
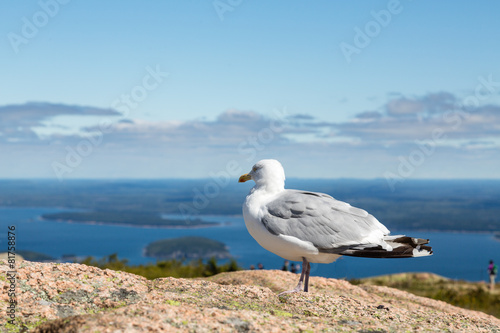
456	255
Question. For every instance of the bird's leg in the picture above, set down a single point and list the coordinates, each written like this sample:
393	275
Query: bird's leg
308	270
305	266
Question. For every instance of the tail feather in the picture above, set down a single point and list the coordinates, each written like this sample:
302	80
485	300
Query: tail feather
398	247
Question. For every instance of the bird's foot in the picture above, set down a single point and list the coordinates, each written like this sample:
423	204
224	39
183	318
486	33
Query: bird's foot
295	290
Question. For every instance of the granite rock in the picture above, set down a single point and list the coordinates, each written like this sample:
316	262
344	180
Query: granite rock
78	298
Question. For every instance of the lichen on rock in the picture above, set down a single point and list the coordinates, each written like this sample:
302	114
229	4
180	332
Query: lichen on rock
79	298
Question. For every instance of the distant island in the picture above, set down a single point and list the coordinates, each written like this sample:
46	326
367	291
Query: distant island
28	255
35	256
187	248
127	218
445	205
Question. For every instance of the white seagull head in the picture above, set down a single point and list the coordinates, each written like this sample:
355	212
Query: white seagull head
267	174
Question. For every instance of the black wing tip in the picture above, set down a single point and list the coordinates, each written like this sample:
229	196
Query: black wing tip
404	251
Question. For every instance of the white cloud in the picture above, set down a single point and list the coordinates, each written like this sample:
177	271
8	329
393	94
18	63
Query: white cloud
364	146
19	121
428	104
406	120
404	106
228	130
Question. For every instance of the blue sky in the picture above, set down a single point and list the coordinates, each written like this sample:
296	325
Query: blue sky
390	89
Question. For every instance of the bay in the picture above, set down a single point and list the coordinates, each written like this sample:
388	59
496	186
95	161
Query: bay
456	255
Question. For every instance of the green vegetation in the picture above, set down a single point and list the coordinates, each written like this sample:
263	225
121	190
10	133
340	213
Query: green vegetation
174	268
469	295
21	326
34	256
187	248
128	218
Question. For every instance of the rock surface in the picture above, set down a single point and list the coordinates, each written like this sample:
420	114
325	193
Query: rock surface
78	298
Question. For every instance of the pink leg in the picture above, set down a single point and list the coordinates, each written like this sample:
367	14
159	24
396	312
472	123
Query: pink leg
308	270
305	273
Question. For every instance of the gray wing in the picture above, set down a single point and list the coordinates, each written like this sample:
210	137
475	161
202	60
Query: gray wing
320	219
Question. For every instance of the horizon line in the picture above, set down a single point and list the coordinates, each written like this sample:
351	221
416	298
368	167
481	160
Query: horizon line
207	178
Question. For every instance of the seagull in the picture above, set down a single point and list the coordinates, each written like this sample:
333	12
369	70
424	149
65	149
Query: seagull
314	227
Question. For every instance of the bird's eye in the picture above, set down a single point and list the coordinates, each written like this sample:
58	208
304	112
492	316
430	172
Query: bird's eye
256	168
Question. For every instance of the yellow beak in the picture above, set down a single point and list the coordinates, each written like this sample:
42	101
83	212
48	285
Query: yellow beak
244	178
